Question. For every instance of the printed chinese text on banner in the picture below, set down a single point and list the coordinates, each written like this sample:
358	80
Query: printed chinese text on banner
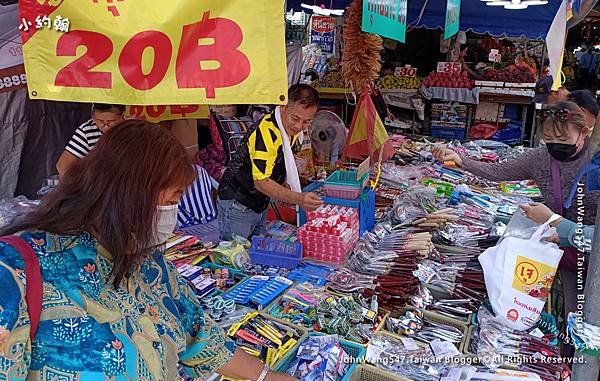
386	18
148	52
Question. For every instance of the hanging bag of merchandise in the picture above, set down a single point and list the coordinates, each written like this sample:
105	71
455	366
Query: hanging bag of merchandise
518	277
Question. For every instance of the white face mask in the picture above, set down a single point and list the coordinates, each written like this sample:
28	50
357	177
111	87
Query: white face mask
164	223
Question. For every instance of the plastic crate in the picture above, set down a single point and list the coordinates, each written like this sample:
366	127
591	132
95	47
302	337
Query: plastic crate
448	133
274	252
342	192
343	184
370	373
466	348
365	205
356	351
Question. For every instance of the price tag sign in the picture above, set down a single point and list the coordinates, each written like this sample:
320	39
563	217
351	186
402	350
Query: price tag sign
406	71
449	67
363	168
494	56
144	52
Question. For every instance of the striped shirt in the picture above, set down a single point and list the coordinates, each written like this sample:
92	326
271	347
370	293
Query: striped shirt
85	138
196	205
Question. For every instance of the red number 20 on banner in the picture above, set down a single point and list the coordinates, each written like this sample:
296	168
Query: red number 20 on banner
226	37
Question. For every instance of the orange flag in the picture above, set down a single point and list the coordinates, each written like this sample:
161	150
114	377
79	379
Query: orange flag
367	134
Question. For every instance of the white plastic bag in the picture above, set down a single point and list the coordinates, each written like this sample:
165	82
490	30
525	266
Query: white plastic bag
518	276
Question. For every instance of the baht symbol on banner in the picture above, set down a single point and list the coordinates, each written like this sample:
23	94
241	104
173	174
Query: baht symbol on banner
211	55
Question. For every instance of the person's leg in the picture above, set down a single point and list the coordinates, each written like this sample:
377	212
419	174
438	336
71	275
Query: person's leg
261	226
223	207
237	219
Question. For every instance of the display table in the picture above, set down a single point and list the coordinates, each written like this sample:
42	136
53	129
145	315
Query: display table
447	94
505	98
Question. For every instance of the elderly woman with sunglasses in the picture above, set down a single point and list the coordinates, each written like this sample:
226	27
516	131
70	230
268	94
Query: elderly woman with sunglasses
553	166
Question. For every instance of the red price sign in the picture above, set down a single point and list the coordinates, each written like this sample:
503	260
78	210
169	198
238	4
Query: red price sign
449	67
406	71
193	56
159	113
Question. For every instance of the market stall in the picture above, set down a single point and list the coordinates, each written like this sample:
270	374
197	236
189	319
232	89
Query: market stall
384	281
380	274
500	57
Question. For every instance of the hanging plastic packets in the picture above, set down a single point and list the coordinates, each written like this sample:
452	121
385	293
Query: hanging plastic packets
424	328
349	316
320	358
299	304
437	275
531	351
402	177
586	337
346	280
411	204
403	357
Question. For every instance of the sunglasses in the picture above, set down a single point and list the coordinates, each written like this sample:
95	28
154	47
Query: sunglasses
560	114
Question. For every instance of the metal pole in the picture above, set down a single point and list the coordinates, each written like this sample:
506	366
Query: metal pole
590	369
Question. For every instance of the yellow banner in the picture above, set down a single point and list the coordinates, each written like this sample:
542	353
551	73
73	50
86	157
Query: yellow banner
159	113
149	52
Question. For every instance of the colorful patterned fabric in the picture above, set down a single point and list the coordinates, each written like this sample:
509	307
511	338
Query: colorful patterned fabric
89	330
196	205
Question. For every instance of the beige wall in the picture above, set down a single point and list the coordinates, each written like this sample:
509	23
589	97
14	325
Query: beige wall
186	132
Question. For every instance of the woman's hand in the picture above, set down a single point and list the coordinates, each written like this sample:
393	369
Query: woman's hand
538	213
554	238
446	154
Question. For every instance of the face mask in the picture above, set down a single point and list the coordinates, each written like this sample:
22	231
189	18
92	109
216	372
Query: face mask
165	222
561	151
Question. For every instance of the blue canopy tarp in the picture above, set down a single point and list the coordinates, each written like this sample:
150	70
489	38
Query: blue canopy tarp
475	16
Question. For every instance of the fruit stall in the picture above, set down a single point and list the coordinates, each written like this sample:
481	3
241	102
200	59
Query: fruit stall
492	85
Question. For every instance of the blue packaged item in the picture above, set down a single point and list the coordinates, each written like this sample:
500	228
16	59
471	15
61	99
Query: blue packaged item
511	134
270	291
258	291
244	291
274	252
311	273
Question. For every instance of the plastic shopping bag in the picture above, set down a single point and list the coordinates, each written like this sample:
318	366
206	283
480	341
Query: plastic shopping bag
518	276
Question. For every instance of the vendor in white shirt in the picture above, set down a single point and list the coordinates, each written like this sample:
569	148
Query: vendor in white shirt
262	165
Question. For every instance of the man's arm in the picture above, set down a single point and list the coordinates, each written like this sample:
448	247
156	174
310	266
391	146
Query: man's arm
571	234
306	200
278	192
65	161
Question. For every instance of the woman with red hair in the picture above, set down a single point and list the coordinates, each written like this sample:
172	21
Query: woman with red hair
111	306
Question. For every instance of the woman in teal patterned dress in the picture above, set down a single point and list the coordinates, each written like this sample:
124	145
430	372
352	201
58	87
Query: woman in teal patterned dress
112	308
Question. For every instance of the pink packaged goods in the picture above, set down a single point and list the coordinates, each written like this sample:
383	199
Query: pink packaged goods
330	233
342	213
